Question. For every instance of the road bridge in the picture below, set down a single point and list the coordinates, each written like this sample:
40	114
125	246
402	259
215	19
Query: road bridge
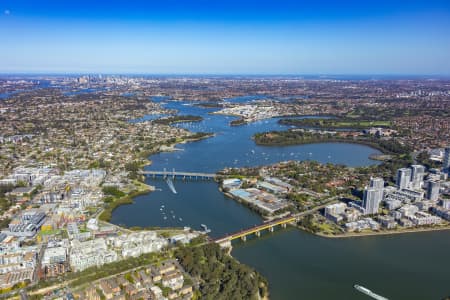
256	230
179	174
225	241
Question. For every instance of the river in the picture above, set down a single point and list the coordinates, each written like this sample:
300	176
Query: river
298	265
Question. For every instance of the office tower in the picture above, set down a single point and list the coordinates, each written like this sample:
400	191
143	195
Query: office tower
417	173
446	162
433	190
373	195
403	178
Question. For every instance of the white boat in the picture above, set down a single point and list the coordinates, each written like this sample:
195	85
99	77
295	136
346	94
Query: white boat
369	292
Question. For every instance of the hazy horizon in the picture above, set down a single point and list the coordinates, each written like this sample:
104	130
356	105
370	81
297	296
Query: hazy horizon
261	75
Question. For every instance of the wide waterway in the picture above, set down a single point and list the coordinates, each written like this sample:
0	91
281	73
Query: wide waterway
298	265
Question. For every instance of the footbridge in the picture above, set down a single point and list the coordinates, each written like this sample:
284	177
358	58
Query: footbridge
178	174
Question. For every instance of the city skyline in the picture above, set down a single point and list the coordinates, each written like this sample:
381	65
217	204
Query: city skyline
199	37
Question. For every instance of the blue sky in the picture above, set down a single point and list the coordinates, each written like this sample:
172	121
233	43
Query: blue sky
226	37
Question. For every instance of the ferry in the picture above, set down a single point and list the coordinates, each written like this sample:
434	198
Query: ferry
369	293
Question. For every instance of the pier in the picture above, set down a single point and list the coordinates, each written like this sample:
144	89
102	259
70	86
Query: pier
178	174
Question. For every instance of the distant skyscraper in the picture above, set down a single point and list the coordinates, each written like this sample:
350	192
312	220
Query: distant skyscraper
433	190
418	171
446	161
403	178
373	196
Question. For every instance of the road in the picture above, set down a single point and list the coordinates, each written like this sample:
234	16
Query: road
313	210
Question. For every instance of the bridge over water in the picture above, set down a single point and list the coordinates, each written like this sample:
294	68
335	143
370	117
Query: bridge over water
226	241
179	174
256	230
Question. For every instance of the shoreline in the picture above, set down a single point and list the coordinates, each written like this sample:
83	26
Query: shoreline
172	147
248	205
106	215
380	233
344	235
324	141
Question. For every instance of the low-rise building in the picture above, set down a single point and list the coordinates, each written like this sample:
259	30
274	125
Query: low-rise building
408	210
27	224
442	212
423	218
366	223
406	223
173	279
137	243
387	222
54	261
90	253
402	195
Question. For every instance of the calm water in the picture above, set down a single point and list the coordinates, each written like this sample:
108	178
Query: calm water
298	265
196	203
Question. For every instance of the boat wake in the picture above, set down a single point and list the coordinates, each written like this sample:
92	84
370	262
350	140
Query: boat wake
171	186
